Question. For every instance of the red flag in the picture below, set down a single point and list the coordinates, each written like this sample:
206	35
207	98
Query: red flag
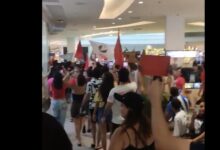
86	63
79	51
118	52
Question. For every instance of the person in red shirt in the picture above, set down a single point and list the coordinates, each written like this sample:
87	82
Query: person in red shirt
58	101
180	81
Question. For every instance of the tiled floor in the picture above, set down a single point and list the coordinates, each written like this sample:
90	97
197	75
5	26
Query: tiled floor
70	130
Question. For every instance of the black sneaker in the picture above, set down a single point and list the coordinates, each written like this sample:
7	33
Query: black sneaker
79	145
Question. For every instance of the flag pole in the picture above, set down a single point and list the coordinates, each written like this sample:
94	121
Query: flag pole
118	32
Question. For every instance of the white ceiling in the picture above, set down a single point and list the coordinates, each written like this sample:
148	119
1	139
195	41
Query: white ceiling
81	15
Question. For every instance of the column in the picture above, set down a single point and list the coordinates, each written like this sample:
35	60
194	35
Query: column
45	50
72	46
175	33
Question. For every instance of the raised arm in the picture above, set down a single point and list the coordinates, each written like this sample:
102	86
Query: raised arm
66	77
163	137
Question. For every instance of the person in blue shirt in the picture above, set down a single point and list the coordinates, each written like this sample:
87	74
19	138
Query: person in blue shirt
183	100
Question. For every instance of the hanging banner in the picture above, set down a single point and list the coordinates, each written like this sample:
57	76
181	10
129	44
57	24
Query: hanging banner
102	51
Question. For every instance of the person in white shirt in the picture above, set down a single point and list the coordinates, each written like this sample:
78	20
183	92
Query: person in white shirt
124	86
185	103
133	69
91	89
180	119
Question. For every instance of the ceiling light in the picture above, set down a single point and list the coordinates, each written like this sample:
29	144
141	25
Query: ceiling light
119	18
126	25
197	24
140	2
130	11
113	22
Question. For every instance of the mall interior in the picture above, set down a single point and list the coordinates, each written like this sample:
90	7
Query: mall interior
106	63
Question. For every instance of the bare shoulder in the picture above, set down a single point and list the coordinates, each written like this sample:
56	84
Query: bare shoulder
118	132
117	144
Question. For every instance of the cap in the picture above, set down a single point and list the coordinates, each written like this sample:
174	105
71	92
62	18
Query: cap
132	100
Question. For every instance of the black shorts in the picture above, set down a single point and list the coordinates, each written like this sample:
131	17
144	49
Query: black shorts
197	146
76	104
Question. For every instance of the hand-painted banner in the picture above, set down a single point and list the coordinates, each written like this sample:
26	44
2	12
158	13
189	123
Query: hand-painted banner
102	51
154	65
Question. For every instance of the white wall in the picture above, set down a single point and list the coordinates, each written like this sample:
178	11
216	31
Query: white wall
45	51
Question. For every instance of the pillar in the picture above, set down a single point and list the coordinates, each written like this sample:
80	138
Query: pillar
175	33
45	50
72	43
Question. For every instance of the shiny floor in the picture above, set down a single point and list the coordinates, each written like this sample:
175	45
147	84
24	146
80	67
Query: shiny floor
70	130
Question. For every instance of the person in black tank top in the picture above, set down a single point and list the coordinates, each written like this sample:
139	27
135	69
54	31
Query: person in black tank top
135	132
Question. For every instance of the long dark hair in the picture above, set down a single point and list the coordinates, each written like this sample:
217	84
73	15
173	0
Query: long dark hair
106	86
144	131
58	80
81	80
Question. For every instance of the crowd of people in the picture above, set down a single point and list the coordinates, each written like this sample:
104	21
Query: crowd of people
115	98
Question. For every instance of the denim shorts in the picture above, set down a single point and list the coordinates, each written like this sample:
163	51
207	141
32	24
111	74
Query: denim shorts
100	114
59	109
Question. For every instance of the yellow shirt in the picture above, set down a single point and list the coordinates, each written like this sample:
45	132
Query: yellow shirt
98	100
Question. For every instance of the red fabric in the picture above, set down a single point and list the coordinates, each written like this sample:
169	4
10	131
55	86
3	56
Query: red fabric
203	76
58	94
154	65
180	82
119	59
86	63
79	51
72	81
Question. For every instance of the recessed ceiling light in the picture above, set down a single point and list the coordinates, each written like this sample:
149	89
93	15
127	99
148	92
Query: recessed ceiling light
119	18
130	11
140	2
113	22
